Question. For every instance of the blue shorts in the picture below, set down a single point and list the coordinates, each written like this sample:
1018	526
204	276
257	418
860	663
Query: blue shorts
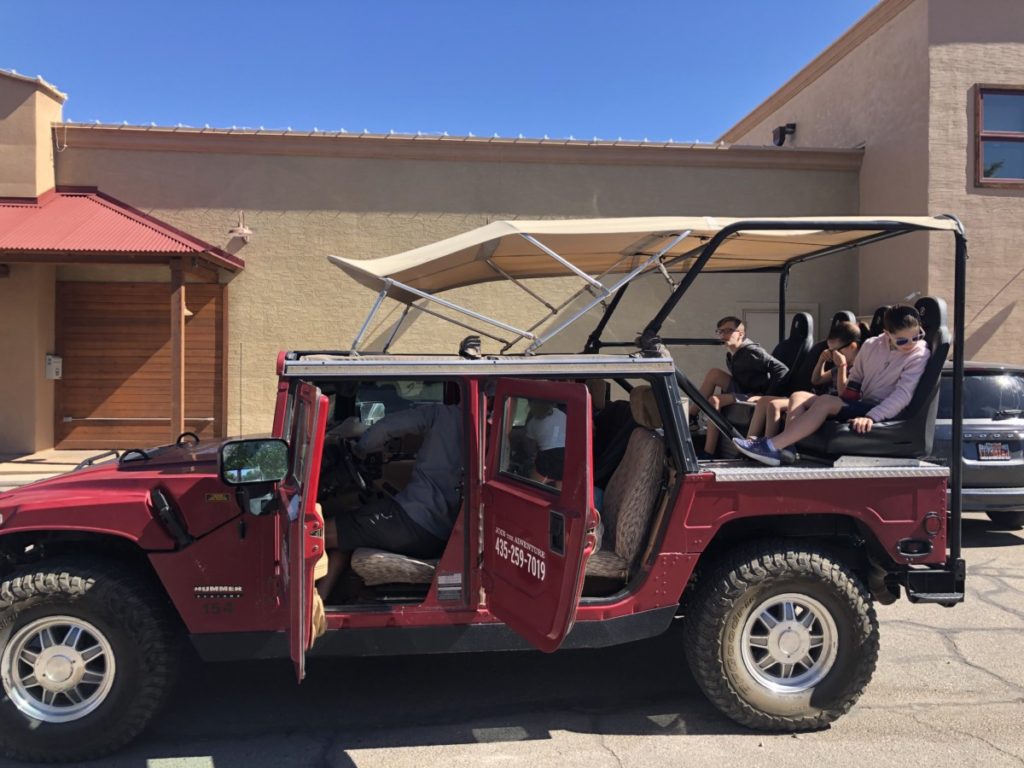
854	410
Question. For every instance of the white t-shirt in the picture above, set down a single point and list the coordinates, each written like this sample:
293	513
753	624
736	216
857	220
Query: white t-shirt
547	432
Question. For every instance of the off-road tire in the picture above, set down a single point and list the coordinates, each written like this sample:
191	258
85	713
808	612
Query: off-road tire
1007	519
723	606
133	620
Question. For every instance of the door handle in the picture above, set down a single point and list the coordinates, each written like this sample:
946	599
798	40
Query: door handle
556	532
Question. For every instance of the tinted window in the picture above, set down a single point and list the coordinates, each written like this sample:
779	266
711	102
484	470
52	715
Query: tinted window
984	395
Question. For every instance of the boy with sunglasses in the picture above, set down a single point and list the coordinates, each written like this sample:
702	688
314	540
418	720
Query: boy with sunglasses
880	386
752	373
830	375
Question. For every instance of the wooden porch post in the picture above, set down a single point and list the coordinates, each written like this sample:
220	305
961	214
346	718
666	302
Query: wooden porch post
177	348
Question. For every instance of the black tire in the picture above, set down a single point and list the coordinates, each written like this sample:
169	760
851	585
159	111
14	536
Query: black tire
1005	519
724	635
111	604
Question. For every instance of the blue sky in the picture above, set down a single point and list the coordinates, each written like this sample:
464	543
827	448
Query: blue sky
635	69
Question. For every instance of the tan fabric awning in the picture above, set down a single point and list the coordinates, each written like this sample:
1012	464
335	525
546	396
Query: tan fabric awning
600	246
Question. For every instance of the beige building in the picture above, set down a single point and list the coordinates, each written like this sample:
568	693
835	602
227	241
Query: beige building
171	314
908	84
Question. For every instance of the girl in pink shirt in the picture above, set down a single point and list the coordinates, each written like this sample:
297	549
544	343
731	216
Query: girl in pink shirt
880	385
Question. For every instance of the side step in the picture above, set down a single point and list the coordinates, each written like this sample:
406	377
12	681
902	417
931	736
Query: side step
945	586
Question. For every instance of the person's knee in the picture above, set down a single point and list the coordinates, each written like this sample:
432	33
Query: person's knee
715	401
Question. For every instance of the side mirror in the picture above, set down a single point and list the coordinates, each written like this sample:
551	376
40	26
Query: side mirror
245	462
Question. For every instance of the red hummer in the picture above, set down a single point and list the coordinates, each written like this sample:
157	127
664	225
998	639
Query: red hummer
773	571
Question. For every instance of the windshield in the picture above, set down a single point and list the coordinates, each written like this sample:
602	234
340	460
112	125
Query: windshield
985	395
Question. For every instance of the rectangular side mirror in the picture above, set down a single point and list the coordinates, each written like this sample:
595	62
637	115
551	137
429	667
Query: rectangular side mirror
247	462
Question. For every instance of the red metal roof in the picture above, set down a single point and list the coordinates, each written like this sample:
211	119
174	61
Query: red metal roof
90	222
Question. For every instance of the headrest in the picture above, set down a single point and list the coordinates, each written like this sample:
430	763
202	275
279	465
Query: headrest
933	316
842	316
878	321
802	326
644	407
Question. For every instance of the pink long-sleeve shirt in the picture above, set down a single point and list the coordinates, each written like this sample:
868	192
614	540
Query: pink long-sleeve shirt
888	377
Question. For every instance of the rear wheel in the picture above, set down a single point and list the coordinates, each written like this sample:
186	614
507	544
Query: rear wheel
782	637
87	657
1007	519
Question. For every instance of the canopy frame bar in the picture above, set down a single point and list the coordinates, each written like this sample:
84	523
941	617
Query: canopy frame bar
656	258
518	284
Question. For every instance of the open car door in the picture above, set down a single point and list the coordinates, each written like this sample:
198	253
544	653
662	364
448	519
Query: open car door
539	517
302	525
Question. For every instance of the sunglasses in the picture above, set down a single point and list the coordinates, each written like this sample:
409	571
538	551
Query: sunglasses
725	331
903	342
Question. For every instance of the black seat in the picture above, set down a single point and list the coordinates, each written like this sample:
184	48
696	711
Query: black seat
910	434
791	350
877	322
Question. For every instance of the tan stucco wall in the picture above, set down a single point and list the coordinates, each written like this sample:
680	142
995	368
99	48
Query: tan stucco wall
875	97
302	208
26	335
977	42
26	149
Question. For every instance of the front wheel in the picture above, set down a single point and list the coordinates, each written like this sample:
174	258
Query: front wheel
87	656
782	637
1013	519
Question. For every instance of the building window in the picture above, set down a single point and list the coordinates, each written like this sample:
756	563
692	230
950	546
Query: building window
999	137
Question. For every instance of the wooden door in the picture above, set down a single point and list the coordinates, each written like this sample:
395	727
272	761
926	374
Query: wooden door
115	342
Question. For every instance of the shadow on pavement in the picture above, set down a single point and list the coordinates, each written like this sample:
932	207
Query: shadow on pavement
979	531
254	711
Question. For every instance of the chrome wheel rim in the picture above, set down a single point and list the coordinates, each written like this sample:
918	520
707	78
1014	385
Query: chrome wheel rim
789	643
58	669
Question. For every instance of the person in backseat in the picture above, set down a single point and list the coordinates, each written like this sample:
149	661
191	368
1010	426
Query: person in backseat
831	372
545	438
881	384
418	520
752	372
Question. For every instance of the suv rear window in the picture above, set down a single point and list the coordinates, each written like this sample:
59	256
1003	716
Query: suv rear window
985	395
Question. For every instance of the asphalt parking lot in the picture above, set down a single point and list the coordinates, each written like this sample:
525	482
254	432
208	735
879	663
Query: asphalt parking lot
949	690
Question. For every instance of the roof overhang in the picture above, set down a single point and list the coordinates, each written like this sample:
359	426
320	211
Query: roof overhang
83	225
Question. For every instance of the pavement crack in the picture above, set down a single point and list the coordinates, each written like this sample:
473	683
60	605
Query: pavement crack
951	644
1017	758
596	728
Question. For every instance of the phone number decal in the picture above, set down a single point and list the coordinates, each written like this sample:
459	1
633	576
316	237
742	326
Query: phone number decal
520	553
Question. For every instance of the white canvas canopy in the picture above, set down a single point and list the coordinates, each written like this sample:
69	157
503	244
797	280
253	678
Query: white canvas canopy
599	246
594	249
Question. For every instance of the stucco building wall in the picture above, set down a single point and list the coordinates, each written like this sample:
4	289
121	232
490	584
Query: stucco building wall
26	335
971	43
302	207
874	95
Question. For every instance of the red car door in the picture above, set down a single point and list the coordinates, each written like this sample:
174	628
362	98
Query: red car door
302	542
538	507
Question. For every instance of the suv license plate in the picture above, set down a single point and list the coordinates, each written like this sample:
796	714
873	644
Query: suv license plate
994	451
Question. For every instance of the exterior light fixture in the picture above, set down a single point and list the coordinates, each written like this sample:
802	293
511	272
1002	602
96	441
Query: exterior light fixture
241	230
779	134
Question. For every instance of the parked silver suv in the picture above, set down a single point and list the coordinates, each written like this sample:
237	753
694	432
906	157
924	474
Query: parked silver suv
993	445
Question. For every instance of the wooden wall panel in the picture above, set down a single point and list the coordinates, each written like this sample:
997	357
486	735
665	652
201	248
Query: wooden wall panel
115	341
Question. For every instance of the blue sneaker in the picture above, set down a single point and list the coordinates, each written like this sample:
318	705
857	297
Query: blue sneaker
758	449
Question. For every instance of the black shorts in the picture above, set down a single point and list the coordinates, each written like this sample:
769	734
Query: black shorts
854	410
550	463
383	524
